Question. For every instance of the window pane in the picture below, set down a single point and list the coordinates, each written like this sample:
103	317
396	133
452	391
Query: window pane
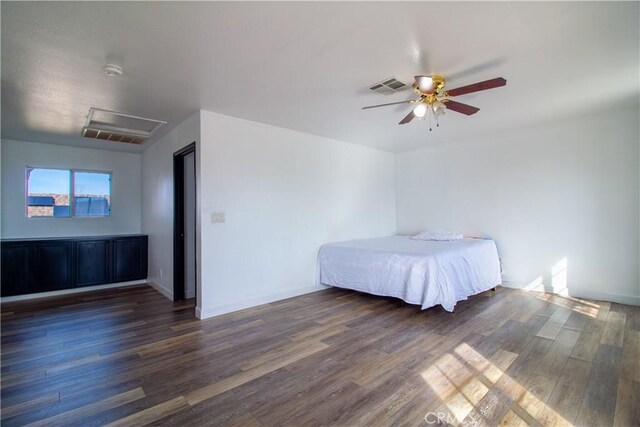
48	192
92	194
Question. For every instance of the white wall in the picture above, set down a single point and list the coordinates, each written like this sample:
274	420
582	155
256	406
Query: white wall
157	200
567	190
125	187
284	193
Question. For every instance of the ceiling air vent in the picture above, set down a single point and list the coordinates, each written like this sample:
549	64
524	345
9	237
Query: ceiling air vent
388	86
119	127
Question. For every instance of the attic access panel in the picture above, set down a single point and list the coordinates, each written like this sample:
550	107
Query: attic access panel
113	126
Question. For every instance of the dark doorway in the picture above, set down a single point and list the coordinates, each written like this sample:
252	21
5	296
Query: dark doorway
184	223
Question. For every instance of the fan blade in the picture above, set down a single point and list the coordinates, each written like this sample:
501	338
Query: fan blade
425	84
460	107
476	87
407	118
390	103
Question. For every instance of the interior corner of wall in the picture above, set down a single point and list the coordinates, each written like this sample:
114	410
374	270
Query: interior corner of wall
164	291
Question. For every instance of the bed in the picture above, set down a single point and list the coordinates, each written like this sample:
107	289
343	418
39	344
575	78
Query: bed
422	272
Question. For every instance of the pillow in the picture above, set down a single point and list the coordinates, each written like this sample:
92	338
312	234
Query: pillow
439	235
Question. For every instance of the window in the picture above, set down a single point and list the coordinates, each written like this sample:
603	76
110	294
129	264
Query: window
91	193
49	193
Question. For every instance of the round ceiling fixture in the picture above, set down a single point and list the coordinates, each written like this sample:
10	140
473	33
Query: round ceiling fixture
112	70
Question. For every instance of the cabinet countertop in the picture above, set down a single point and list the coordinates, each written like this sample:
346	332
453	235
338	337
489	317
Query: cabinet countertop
73	238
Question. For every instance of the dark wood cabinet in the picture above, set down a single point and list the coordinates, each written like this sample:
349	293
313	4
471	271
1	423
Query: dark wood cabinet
129	259
15	269
41	265
92	263
51	268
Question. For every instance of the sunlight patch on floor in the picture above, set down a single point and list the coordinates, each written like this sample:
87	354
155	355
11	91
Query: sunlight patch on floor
466	383
578	305
558	292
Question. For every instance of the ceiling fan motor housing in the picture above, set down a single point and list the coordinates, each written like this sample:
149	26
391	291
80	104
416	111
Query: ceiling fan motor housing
438	82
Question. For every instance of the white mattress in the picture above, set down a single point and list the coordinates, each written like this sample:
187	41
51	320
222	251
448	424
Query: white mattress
420	272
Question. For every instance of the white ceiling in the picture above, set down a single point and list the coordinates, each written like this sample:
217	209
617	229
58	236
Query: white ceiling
307	66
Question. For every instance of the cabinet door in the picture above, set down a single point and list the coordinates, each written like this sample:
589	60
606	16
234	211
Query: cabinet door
53	269
91	263
129	259
15	269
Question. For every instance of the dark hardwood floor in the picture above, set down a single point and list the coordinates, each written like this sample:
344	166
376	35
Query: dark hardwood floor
129	356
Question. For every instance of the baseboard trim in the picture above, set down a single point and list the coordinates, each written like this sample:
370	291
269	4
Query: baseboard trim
581	293
71	291
207	312
160	289
600	296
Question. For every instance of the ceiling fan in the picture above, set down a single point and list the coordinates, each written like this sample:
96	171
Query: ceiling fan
434	100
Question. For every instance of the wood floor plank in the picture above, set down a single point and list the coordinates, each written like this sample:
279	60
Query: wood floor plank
288	396
499	363
603	310
587	345
576	321
339	399
20	377
630	364
534	401
569	390
47	399
281	352
552	328
154	413
212	390
602	388
129	356
76	415
524	367
58	367
613	333
490	410
244	420
379	403
591	417
511	419
552	364
627	412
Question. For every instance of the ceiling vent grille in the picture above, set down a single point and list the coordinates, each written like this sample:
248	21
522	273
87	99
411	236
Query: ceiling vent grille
388	86
119	127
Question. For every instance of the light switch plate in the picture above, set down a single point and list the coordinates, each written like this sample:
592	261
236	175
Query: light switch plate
217	217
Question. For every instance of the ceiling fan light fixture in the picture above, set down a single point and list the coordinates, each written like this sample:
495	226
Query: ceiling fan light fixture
432	98
420	110
438	108
425	84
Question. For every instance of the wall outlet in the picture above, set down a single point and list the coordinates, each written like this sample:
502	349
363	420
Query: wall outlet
217	217
160	272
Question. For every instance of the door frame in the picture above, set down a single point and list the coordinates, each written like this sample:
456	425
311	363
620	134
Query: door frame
178	222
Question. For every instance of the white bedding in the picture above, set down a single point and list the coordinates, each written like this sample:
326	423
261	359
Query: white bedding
420	272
